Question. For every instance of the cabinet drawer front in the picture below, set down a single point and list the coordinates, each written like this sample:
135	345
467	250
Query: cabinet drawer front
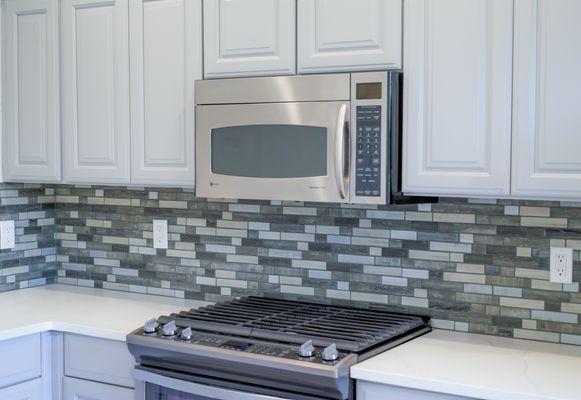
77	389
375	391
21	360
31	390
99	360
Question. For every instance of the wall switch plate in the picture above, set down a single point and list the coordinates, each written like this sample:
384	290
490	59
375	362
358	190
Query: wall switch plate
561	265
159	234
7	235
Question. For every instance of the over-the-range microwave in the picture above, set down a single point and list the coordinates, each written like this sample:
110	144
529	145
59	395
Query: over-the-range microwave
313	138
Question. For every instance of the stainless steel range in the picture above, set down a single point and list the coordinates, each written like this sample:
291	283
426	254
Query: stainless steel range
262	348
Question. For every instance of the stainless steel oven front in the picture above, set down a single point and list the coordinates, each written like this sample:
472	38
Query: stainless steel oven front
327	138
155	386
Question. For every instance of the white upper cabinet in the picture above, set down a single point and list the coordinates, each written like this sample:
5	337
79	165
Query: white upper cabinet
166	54
31	91
249	37
547	99
349	35
95	92
457	97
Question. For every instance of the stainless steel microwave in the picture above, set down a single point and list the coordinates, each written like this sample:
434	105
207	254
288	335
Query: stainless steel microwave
315	138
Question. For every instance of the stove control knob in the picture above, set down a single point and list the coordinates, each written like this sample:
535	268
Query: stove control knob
151	326
330	353
307	349
169	329
187	334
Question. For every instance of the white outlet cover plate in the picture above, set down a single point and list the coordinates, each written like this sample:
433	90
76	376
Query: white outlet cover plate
567	275
7	235
160	234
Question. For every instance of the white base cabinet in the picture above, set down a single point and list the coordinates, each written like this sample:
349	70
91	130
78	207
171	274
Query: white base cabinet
348	35
547	93
375	391
78	389
31	390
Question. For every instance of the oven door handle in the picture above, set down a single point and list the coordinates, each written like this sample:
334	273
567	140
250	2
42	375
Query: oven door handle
197	390
340	151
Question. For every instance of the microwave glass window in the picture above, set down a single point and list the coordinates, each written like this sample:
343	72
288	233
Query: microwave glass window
369	91
269	151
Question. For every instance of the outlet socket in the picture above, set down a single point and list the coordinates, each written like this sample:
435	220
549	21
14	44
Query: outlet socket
160	234
561	265
7	235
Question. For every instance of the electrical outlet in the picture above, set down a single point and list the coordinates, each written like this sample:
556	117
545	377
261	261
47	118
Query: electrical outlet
159	234
561	265
7	235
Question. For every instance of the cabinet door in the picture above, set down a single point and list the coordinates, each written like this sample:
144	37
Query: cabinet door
95	75
547	95
348	35
166	59
457	96
78	389
31	390
32	119
249	37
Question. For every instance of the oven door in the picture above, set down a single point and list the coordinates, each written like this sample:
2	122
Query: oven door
273	151
151	386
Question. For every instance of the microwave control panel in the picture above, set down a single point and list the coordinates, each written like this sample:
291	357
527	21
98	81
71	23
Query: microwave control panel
368	151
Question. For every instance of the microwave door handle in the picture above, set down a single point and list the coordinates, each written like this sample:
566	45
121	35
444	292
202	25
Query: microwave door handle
340	151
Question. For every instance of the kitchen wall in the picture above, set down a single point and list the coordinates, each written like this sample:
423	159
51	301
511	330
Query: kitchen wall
474	265
33	261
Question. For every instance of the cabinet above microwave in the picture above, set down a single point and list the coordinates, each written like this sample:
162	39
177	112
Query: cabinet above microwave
328	138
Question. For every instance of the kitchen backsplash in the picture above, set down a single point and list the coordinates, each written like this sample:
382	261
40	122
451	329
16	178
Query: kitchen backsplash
473	265
33	261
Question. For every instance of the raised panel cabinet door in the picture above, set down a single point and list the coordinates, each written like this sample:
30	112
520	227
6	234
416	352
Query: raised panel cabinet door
31	390
78	389
457	97
547	98
249	37
166	59
95	91
349	35
31	91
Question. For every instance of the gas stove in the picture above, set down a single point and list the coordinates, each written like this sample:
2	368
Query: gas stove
266	348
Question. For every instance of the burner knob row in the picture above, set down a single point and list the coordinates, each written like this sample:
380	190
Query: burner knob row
329	353
168	330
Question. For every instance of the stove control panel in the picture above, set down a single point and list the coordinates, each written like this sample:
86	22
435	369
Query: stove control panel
329	355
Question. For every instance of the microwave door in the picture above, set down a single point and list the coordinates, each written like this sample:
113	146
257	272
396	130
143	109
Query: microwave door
274	151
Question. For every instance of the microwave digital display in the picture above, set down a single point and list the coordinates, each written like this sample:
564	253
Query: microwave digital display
369	91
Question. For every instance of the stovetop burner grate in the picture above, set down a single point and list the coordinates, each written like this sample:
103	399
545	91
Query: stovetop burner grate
287	321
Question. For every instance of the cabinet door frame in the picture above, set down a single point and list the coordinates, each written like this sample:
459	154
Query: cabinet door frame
490	174
173	172
380	53
530	83
280	61
115	169
47	166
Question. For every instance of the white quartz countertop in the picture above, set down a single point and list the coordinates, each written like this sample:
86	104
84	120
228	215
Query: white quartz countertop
478	366
94	312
